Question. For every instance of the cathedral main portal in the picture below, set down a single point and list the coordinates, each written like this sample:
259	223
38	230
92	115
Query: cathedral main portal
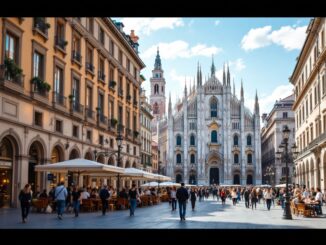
214	177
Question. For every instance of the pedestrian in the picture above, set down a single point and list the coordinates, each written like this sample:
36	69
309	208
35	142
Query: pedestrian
268	198
60	197
133	195
246	197
25	198
253	197
182	196
193	194
76	199
223	196
104	195
173	193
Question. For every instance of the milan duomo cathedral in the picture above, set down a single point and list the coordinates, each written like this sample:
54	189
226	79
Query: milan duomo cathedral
212	138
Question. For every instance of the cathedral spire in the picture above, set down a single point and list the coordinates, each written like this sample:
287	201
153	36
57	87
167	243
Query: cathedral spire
241	92
198	75
158	65
194	85
256	104
224	80
213	67
185	91
228	77
233	87
170	104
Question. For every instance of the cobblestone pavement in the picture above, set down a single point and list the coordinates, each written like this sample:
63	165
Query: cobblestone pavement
209	214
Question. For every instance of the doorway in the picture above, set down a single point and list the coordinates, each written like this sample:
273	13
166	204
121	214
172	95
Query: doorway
214	176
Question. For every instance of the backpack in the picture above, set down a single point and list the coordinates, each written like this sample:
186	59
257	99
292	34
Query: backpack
104	194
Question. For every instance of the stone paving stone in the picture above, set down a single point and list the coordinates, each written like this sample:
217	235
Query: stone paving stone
209	214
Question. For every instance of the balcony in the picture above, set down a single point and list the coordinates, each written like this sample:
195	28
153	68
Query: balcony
136	135
9	82
102	120
214	146
60	43
128	97
121	128
249	148
41	27
89	115
128	133
77	109
112	84
112	124
89	68
59	101
120	93
76	57
101	76
39	94
135	103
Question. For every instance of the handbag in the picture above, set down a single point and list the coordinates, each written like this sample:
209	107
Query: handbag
48	209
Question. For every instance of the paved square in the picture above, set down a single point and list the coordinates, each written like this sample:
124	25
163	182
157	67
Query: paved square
209	214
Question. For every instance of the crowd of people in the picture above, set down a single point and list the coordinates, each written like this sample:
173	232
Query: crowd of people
63	198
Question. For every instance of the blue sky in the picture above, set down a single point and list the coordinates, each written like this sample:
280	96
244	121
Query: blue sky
260	51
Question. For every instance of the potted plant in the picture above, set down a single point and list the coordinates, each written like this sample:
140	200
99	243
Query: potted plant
11	69
114	122
40	85
112	84
71	97
136	133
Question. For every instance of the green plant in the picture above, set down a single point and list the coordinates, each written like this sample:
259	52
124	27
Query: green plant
112	84
98	108
65	43
40	84
12	70
142	77
71	96
114	121
136	133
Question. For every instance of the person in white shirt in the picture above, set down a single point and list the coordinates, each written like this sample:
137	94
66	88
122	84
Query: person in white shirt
173	198
85	194
268	198
319	199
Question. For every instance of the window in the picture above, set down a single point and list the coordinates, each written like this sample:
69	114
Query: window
214	136
89	97
58	126
135	72
90	25
11	48
76	47
75	130
135	122
156	108
60	35
236	140
178	159
38	65
213	106
89	135
285	115
120	57
135	151
111	47
128	89
120	118
101	139
156	89
89	59
192	158
192	140
58	84
249	140
120	86
111	74
128	119
307	108
236	159
324	124
76	92
100	102
111	143
162	89
101	75
178	140
127	148
315	95
322	40
128	65
102	36
38	118
249	158
284	170
324	85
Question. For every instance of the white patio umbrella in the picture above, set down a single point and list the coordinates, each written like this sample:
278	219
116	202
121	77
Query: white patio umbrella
169	184
150	184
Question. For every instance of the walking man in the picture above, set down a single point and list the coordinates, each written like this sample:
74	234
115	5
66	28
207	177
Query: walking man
133	195
60	196
182	196
104	195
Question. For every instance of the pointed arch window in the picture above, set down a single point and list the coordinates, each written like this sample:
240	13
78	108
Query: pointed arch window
192	140
249	140
178	158
213	106
178	140
214	136
156	108
249	158
235	140
236	159
192	158
156	89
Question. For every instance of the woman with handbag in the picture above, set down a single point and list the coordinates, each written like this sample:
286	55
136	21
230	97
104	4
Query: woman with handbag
25	197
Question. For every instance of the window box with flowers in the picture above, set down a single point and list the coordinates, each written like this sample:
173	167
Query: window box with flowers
41	87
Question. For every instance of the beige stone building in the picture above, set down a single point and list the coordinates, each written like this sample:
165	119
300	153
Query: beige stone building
309	79
274	170
65	86
155	156
145	132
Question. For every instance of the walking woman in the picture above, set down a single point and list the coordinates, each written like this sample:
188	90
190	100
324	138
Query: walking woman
268	198
133	195
76	198
173	198
223	196
25	197
234	196
193	193
253	197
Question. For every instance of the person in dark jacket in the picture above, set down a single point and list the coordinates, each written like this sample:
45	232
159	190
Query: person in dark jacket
246	197
133	195
25	198
104	195
193	194
182	196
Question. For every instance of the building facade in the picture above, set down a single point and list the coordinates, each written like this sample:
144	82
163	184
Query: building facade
155	156
309	80
212	136
145	132
274	170
66	86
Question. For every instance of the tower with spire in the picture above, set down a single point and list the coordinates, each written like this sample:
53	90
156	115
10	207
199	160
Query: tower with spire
157	97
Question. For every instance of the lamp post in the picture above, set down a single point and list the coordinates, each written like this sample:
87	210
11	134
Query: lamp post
284	154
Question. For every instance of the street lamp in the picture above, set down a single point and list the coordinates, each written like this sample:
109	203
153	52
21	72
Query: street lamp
283	154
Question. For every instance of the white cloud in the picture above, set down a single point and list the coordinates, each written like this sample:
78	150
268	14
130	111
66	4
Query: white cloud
288	37
217	22
180	49
148	25
191	23
238	64
256	38
266	103
180	79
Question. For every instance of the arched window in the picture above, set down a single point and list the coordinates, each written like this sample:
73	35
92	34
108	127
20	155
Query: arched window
249	140
235	140
213	106
192	139
178	158
249	158
156	89
236	158
214	136
178	140
192	158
